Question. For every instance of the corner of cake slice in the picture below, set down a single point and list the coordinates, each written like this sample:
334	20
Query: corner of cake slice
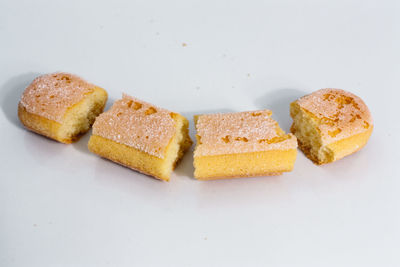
141	136
242	144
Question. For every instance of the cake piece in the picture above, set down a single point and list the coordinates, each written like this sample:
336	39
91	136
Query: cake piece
61	106
141	136
242	144
330	124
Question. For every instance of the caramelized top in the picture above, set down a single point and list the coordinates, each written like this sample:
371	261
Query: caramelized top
137	124
241	132
50	95
339	114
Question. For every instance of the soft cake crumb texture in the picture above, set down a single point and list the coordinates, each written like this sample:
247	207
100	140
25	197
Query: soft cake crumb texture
137	124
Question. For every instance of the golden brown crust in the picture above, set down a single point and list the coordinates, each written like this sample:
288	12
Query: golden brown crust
240	132
40	125
50	95
243	144
249	164
339	124
340	114
141	136
122	154
45	118
137	124
350	145
128	156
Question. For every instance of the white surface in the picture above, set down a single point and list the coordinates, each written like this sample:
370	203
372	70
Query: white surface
62	206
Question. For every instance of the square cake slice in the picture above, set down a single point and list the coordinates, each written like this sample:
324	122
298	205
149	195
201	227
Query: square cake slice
242	144
61	106
141	136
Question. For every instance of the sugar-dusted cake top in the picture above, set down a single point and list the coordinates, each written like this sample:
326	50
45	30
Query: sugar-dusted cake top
137	124
340	114
241	132
50	95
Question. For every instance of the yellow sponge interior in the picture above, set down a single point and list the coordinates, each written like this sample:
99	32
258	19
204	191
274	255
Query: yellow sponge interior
305	127
79	118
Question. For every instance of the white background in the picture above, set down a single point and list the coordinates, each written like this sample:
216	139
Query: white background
60	205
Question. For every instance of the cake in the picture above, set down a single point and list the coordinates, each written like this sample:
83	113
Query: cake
61	106
141	136
242	144
330	124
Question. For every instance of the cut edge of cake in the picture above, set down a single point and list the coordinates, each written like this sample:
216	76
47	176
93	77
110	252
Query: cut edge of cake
307	127
76	121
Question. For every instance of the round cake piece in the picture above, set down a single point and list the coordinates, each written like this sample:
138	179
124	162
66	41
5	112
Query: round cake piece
330	124
61	106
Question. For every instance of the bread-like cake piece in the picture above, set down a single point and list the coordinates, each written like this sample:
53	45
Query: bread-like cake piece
330	124
141	136
61	106
242	144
